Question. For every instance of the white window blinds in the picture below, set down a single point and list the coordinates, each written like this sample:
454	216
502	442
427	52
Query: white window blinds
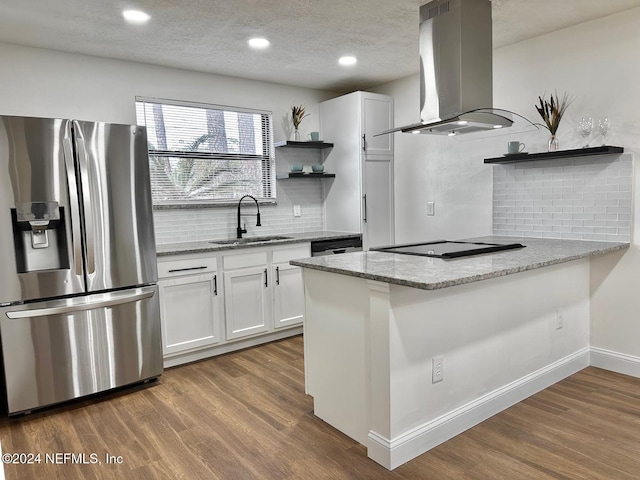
207	153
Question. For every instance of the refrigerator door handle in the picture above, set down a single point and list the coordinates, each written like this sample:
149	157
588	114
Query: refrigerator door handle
73	204
81	304
86	198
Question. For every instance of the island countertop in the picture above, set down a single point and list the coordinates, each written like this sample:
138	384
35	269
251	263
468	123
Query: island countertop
433	273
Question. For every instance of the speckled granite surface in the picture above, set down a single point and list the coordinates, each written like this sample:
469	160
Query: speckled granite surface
199	247
433	273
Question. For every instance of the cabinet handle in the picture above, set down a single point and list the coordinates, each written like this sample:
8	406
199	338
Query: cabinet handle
277	275
266	278
186	269
215	284
364	142
364	201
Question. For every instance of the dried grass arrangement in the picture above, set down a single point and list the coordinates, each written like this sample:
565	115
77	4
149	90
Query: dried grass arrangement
552	110
297	114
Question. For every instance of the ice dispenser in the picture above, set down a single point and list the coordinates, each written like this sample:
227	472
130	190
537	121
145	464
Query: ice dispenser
39	236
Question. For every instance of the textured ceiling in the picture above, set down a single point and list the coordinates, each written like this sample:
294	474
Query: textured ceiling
307	36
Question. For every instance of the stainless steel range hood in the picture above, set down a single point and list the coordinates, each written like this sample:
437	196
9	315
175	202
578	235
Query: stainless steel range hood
456	70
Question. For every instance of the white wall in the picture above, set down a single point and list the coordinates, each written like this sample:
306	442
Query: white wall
438	169
46	83
597	63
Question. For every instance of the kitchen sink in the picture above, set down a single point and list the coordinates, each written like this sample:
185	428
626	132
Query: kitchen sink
240	241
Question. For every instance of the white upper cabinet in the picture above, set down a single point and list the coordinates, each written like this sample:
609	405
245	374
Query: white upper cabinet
377	116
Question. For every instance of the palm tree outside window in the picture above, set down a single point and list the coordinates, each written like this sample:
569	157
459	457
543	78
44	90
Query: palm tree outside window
202	153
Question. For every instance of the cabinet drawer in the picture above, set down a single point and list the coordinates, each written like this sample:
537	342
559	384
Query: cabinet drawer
186	265
243	260
289	253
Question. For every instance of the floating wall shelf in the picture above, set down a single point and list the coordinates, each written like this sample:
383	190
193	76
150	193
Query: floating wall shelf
282	176
578	152
291	144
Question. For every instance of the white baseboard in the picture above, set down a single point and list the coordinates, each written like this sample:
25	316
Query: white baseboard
615	362
1	466
393	453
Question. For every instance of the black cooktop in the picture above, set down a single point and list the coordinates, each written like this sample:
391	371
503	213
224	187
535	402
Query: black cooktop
448	249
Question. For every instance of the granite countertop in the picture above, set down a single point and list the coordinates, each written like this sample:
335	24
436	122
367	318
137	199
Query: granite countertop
211	246
433	273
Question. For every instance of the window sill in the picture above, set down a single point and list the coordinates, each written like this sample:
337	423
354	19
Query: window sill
204	205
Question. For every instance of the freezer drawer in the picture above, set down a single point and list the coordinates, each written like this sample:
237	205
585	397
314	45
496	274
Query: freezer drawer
62	349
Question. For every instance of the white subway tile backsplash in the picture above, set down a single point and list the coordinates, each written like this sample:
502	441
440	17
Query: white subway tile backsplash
595	209
586	198
552	210
571	236
594	237
203	224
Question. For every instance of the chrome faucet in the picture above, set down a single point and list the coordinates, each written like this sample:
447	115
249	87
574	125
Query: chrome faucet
241	230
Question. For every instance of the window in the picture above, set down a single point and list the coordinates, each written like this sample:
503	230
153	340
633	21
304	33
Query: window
207	153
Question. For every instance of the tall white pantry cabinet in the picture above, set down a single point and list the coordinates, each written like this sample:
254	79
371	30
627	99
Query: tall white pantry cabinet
360	198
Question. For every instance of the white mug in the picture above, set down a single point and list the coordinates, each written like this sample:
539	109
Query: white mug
515	147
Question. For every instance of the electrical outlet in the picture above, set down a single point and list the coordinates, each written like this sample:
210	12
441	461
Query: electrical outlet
437	369
296	210
431	208
559	320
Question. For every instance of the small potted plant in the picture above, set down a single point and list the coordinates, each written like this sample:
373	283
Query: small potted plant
551	112
297	114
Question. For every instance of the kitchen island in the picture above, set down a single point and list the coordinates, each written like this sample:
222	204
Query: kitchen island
404	352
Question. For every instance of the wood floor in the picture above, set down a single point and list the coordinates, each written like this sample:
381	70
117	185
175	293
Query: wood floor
245	416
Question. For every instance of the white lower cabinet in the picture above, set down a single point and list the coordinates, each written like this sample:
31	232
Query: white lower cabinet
215	303
189	308
246	294
288	288
262	291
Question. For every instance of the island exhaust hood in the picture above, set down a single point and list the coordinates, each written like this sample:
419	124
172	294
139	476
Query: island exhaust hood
456	84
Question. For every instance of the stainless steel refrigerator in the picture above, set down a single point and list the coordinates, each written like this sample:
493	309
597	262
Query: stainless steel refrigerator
79	311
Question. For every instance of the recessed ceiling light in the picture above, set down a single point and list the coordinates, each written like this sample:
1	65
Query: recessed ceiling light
347	61
497	126
259	42
135	16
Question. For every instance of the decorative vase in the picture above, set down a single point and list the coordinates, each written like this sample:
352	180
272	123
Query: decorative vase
553	143
296	135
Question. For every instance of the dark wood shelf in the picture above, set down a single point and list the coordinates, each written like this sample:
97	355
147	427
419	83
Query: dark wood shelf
281	176
291	144
578	152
